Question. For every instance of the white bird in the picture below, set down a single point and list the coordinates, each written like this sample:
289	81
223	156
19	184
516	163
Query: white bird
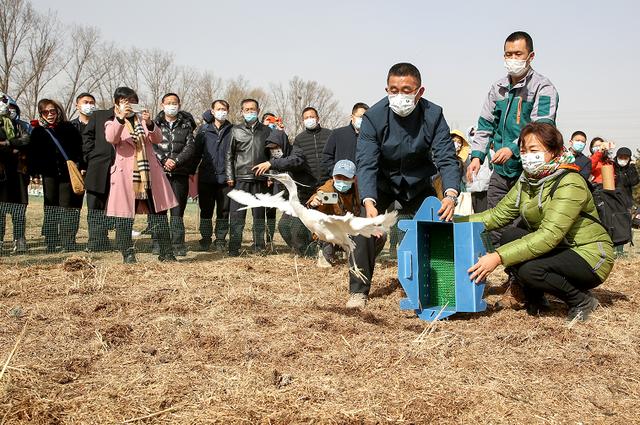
334	229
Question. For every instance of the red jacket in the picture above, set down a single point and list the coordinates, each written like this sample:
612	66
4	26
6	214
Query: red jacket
598	159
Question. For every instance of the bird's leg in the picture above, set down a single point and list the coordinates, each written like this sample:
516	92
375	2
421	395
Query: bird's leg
353	268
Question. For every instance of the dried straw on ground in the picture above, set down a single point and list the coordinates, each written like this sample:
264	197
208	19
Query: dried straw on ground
255	340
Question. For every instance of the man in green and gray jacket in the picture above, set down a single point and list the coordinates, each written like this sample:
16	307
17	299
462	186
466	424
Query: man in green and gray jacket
522	97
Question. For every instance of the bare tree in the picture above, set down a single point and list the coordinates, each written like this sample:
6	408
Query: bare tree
157	69
290	101
208	89
16	24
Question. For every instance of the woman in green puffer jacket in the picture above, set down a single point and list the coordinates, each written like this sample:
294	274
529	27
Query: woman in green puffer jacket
560	248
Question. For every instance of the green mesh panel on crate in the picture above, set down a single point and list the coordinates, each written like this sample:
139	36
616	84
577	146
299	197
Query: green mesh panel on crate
442	282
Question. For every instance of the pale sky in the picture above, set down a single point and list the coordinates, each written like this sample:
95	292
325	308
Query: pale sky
588	49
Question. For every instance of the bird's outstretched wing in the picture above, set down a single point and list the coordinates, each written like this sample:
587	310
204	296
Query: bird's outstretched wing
265	200
366	227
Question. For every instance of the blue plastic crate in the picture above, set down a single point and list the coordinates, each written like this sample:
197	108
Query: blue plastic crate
433	259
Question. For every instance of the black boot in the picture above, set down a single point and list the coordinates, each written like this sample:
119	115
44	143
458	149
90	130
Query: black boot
584	308
162	235
206	232
177	236
128	256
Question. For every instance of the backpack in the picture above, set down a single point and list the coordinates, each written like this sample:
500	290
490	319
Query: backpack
614	215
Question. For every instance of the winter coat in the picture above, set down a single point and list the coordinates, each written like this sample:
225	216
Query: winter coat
177	143
44	156
598	159
246	149
121	202
347	201
98	153
584	164
554	222
626	179
212	144
293	162
340	145
312	143
387	162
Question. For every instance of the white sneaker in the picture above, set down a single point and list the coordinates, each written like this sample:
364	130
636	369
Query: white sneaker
322	262
357	300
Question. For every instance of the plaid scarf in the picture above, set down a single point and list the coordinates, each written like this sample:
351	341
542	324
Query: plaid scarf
141	169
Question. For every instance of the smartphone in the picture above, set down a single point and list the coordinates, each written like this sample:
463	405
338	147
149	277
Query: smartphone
138	109
328	198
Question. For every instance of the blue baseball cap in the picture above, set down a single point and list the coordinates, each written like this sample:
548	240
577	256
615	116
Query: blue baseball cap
346	168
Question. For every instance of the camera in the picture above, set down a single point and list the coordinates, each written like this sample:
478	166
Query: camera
328	197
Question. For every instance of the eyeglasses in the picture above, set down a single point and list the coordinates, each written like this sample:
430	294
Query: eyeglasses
49	112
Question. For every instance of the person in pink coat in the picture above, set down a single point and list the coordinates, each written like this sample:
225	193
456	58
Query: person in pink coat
138	182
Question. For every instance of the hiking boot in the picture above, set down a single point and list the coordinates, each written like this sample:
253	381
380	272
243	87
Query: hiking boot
583	310
537	306
20	246
357	300
129	257
323	263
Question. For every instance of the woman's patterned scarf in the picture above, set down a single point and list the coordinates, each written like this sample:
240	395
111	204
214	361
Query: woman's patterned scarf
141	169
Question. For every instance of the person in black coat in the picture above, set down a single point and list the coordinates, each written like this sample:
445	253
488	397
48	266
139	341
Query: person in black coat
176	154
287	158
212	144
342	142
626	175
61	205
99	156
312	141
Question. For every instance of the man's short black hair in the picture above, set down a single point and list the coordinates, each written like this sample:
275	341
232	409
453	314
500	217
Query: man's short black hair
579	133
84	94
267	114
310	108
169	95
249	100
521	35
124	93
359	105
404	69
220	101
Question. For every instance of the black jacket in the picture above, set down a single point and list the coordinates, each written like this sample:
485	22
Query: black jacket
246	149
98	153
46	159
387	163
293	162
341	145
177	143
584	163
312	143
212	144
626	179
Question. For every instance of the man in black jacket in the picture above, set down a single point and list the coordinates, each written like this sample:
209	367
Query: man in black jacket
285	158
312	141
176	154
99	156
626	175
578	143
342	142
86	106
246	149
212	144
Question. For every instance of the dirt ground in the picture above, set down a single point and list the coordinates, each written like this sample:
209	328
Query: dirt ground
267	340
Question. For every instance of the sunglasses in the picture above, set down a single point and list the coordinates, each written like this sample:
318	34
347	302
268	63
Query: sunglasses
49	112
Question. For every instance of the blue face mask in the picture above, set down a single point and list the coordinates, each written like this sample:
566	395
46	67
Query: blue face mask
342	186
250	117
578	146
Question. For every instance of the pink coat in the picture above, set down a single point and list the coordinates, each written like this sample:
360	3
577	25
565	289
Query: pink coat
122	201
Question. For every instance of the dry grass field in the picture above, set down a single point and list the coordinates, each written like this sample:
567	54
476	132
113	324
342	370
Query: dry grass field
266	339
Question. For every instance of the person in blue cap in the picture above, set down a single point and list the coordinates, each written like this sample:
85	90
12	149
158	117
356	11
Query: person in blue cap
344	184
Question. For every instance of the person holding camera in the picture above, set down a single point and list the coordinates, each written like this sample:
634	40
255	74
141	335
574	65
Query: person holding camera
138	182
287	158
337	196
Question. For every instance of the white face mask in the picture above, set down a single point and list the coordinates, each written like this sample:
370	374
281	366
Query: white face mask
310	123
87	108
458	146
171	110
532	161
516	67
357	122
402	104
623	162
13	114
220	115
276	153
595	149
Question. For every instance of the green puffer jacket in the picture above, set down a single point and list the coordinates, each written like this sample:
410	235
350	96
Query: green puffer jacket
553	222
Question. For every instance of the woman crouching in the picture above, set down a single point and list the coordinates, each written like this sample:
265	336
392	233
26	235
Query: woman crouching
562	249
138	182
